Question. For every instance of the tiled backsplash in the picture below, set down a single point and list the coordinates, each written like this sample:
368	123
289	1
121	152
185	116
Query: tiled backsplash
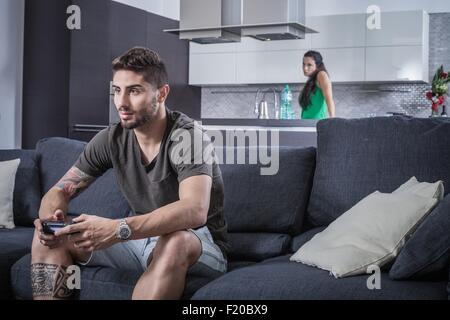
352	100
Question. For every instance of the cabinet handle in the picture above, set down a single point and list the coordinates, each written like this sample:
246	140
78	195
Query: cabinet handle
88	128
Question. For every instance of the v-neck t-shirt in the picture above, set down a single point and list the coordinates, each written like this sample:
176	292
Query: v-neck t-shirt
152	186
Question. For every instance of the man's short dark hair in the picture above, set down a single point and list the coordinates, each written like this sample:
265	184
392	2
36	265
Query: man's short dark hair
145	62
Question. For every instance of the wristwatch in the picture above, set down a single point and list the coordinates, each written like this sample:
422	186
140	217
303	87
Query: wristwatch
123	231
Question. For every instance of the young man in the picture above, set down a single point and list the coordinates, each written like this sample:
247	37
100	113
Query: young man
177	223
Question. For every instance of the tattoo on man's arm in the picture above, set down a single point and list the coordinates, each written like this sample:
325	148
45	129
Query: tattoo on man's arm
74	182
49	280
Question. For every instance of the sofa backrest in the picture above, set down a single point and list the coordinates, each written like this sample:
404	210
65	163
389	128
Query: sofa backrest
27	189
356	157
263	211
102	198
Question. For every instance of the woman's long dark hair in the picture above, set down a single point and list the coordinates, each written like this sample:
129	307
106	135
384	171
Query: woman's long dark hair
305	97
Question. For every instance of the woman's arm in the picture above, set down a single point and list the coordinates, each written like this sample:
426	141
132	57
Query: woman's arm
325	84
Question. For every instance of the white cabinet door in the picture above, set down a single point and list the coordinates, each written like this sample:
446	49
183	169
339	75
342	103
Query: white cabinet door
195	48
269	67
345	64
396	64
405	28
212	69
338	31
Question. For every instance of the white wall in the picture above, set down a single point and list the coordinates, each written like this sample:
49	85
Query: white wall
330	7
11	61
166	8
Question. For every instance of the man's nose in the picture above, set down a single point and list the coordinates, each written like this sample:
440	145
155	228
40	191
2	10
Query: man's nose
121	100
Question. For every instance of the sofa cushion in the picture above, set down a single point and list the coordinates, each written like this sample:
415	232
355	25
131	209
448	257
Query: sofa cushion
303	238
103	197
268	203
257	246
27	189
356	157
14	244
232	265
280	279
97	283
427	253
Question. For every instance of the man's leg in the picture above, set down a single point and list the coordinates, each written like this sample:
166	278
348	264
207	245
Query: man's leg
165	277
48	269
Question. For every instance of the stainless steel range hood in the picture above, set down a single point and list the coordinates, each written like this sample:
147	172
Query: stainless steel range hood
268	13
199	20
221	21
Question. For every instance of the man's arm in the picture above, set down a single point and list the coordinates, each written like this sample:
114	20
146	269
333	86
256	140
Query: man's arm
191	211
59	196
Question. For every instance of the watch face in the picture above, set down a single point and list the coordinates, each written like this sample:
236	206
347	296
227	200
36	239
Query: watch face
124	233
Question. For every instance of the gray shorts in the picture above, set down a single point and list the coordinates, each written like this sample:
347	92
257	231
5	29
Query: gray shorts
134	254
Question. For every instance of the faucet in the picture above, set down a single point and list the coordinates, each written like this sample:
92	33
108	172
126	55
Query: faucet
261	106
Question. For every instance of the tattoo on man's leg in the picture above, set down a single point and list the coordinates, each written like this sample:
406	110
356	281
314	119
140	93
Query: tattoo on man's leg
49	280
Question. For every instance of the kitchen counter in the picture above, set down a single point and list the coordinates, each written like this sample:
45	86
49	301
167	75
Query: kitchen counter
291	132
261	122
297	125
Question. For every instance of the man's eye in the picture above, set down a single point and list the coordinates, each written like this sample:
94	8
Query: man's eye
134	91
116	91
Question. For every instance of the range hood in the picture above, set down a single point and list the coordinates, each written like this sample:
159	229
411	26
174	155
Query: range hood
222	21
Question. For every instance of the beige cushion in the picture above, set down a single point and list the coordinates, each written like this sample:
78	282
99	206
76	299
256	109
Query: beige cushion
8	171
373	231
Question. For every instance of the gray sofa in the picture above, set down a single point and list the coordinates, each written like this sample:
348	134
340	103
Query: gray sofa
269	217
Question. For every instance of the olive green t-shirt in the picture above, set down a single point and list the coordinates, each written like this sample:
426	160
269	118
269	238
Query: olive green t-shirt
185	151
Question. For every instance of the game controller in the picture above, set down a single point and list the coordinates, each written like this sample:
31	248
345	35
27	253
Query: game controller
50	227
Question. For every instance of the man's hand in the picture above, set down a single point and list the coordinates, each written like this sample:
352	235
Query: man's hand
91	233
49	240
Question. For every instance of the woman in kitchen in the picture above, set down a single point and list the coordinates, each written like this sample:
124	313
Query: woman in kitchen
316	99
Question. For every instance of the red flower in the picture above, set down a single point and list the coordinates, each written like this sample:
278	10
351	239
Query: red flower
444	75
429	95
441	100
434	106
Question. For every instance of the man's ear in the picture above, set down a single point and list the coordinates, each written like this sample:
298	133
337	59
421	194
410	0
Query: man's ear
163	93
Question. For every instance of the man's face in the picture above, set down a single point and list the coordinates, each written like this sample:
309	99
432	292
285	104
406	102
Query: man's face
136	100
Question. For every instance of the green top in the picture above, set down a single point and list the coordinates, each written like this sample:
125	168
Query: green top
317	108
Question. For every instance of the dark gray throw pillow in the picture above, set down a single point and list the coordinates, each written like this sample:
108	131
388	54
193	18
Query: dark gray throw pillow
427	253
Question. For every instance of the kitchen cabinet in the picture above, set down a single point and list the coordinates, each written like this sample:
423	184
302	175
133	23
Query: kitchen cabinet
400	63
214	69
399	51
269	67
109	29
338	31
195	48
352	53
405	28
345	64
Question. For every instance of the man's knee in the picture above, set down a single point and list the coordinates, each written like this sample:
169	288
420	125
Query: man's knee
42	253
180	247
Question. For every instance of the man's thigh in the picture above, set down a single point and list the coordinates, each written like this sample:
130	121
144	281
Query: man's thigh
124	255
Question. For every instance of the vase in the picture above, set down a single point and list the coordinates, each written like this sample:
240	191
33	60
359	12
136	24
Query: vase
434	113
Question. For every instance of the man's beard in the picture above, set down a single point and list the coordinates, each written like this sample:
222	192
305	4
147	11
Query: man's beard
144	117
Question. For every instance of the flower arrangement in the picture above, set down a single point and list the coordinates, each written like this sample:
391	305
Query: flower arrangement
439	88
